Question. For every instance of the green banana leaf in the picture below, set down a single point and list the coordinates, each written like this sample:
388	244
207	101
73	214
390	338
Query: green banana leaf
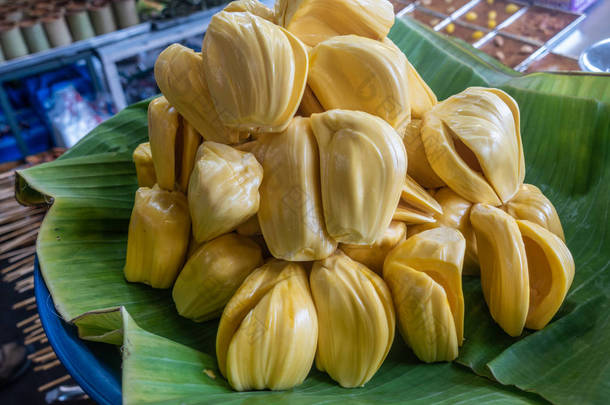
565	122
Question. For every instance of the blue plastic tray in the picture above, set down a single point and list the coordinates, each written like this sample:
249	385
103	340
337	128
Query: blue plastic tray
95	367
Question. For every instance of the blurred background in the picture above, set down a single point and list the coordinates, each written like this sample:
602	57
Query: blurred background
68	65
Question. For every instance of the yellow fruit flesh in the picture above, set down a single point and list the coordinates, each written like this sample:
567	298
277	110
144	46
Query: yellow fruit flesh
504	267
551	271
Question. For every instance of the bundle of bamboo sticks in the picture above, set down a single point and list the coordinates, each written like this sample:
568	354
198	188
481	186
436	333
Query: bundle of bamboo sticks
18	231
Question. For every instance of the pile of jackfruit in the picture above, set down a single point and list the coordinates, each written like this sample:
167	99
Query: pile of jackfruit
303	183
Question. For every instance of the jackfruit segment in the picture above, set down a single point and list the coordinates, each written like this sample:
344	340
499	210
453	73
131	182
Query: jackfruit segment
439	253
551	271
145	168
424	316
158	237
372	256
212	274
472	144
223	190
530	204
290	213
504	267
268	332
456	214
363	165
239	52
163	128
314	21
356	319
419	167
355	73
180	76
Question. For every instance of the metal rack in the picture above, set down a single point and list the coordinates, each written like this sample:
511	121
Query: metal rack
55	58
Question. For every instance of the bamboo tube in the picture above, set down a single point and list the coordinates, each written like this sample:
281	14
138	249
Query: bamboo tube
57	30
79	22
102	18
34	35
13	13
125	13
13	43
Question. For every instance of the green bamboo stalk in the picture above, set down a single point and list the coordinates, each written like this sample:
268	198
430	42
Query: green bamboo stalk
34	34
102	18
125	13
80	25
57	30
12	41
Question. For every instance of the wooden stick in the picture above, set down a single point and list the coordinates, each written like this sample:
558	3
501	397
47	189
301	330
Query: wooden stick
22	255
12	253
31	307
24	289
35	339
30	328
23	303
24	281
23	239
22	271
20	231
34	333
53	383
33	318
7	175
44	357
19	224
16	265
19	213
47	366
40	352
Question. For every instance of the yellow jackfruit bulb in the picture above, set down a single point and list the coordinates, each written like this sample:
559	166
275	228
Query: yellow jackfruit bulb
314	21
530	204
309	104
372	256
158	237
187	150
551	271
268	331
439	254
193	246
252	6
504	266
290	213
456	214
421	96
406	214
212	274
363	165
356	73
473	143
419	167
223	189
163	127
250	228
145	168
256	72
180	76
416	204
356	319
